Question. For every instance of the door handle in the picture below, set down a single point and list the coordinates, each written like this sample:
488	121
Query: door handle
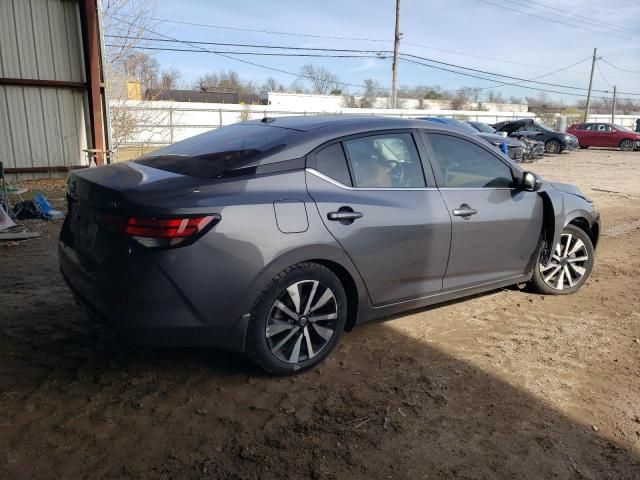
344	216
464	211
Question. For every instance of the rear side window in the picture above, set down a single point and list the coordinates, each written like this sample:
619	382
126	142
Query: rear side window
212	154
463	164
385	161
331	162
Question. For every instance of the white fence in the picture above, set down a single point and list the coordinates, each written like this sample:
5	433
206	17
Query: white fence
146	123
162	123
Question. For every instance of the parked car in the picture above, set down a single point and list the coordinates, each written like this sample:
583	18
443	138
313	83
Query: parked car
554	142
515	147
272	237
605	135
532	149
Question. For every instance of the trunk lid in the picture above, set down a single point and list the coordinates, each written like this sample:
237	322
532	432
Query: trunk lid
122	187
127	182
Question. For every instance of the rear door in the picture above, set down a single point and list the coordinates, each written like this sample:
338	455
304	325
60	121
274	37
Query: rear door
373	196
495	227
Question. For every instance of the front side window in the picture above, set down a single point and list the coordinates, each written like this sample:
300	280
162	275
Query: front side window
385	161
463	164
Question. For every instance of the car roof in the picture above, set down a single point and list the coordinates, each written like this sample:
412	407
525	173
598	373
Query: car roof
310	123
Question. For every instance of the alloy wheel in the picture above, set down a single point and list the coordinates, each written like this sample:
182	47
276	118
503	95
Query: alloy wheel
568	264
553	146
301	321
626	145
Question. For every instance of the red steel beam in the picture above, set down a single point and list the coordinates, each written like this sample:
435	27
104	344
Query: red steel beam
93	68
64	168
32	82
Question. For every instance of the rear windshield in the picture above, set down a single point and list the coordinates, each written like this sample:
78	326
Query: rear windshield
212	154
483	127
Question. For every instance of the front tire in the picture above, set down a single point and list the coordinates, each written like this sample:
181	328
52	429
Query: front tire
570	265
297	319
626	145
552	146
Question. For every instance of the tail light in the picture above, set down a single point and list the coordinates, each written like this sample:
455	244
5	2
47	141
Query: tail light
160	232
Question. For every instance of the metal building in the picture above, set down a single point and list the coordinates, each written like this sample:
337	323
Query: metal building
51	96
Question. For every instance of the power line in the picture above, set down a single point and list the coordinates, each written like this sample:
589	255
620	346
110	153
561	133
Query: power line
573	16
271	32
367	54
542	76
555	20
249	45
602	75
236	52
619	68
229	57
378	54
508	76
489	79
481	57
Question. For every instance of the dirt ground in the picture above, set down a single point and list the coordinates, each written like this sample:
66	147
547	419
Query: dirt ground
504	385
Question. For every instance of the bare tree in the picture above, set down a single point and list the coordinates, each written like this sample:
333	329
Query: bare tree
125	22
142	67
170	79
224	80
372	90
321	79
272	85
297	86
207	82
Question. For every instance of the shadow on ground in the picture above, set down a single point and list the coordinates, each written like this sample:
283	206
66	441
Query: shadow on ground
76	402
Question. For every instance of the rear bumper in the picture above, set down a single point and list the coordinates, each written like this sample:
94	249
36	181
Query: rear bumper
147	304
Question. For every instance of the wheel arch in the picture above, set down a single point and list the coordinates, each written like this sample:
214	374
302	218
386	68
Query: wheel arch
350	289
593	231
331	257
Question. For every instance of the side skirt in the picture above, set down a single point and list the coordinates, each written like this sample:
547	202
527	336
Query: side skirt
374	313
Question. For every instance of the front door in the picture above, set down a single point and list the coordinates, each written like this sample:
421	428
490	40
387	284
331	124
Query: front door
372	195
495	227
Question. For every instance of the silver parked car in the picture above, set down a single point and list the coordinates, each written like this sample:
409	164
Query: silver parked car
272	237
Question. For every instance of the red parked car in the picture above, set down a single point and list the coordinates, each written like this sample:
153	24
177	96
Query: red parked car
605	135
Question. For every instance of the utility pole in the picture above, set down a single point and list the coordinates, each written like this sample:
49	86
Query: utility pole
593	66
396	46
613	107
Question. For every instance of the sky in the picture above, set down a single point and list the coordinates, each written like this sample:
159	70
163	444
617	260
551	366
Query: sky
490	35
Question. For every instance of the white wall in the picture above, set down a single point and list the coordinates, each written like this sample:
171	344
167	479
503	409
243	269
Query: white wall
162	123
313	102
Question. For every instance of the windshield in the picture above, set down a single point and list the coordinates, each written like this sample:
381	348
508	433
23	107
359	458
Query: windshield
213	153
621	128
543	127
483	127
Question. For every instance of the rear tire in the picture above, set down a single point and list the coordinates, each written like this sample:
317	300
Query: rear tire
552	146
569	267
584	147
297	320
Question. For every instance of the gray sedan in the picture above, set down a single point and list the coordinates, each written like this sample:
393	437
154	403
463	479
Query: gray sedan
273	237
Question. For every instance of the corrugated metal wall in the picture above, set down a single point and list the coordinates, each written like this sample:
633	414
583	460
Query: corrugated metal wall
42	126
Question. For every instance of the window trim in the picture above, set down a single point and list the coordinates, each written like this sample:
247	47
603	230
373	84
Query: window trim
427	173
515	172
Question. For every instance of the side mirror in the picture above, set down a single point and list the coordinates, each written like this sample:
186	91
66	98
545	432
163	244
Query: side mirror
530	182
